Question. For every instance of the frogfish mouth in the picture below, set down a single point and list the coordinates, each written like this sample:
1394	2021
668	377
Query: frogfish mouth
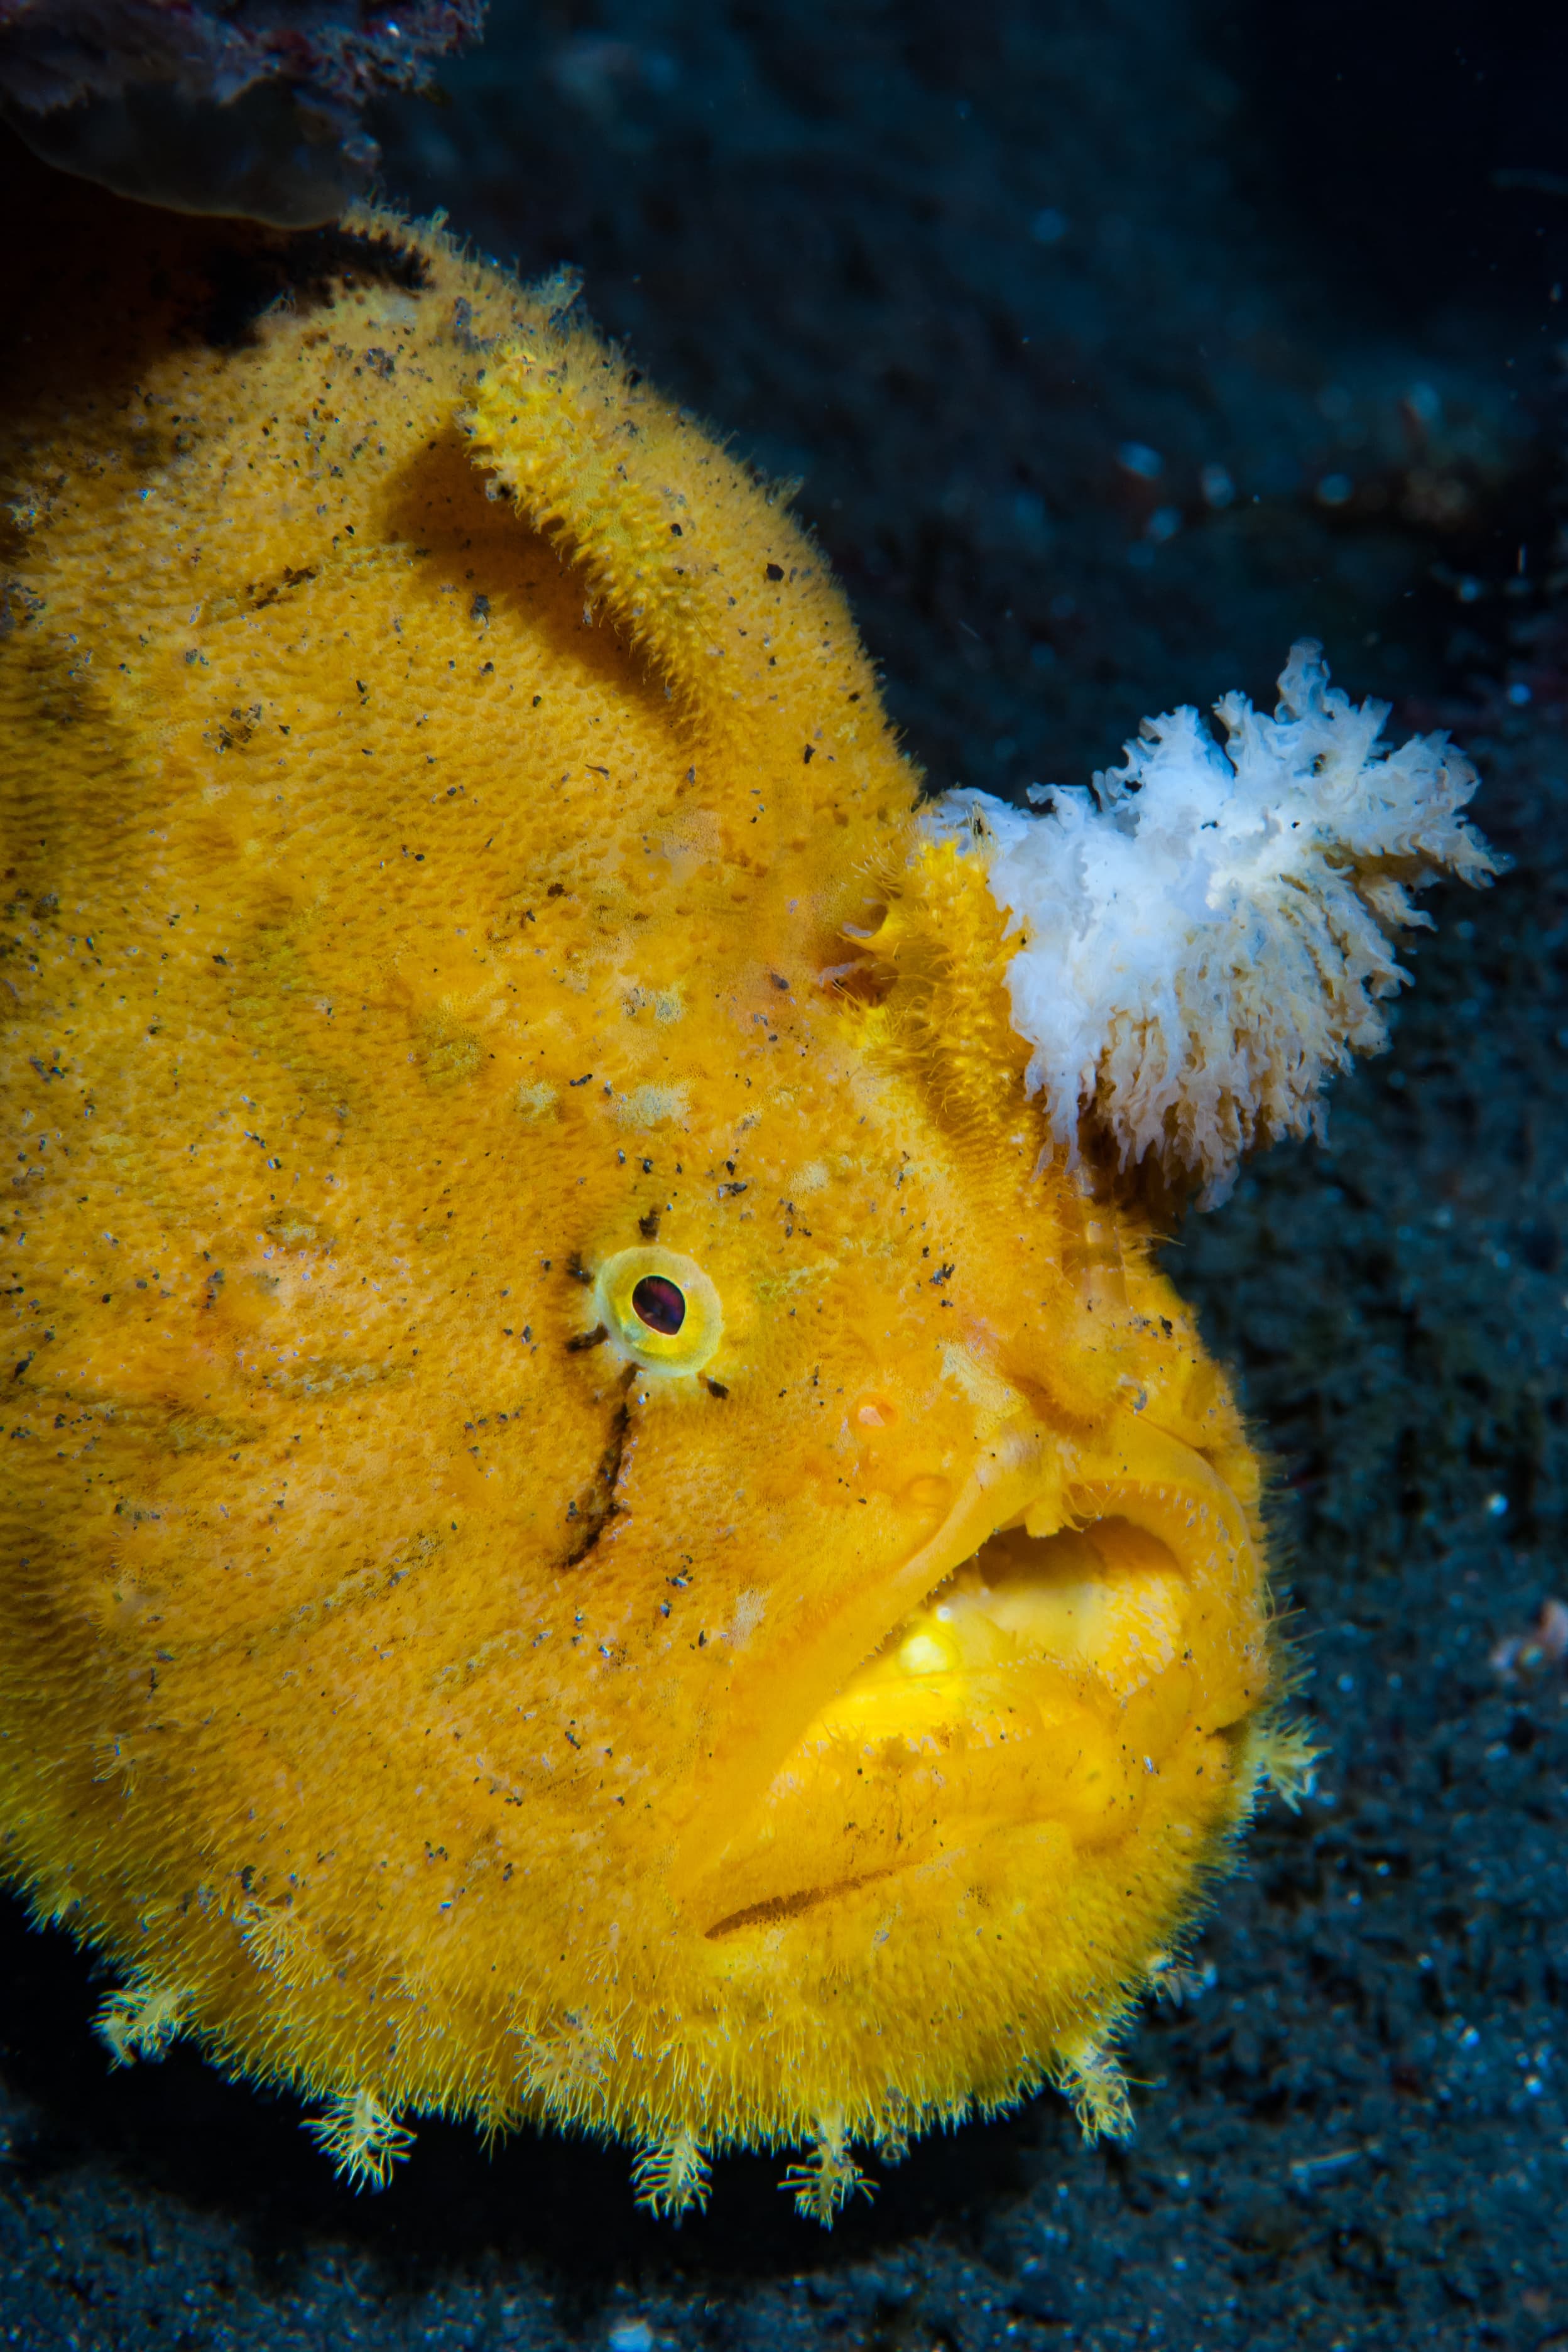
1059	1655
608	1517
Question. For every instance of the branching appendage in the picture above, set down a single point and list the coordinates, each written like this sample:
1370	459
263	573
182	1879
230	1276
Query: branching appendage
825	2182
1279	1755
138	2022
1098	2088
360	2138
672	2179
1179	1980
1288	1761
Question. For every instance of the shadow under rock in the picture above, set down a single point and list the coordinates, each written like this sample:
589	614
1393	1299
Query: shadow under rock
236	2153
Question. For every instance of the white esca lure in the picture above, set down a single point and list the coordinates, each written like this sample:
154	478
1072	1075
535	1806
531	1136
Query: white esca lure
1204	935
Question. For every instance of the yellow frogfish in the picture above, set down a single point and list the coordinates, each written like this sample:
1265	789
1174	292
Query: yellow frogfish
607	1517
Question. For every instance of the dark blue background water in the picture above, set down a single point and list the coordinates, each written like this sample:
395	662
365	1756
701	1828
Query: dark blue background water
1117	342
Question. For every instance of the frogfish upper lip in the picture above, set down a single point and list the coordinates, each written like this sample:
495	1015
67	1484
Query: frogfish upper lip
1117	1562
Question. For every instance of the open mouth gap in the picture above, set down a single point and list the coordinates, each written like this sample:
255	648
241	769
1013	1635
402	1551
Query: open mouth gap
1000	1698
1102	1596
992	1678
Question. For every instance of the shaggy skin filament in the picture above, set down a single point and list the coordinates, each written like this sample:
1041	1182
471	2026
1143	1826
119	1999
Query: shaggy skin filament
363	2141
672	2178
823	2184
138	2021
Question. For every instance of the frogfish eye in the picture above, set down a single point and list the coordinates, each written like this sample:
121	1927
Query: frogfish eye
661	1308
659	1303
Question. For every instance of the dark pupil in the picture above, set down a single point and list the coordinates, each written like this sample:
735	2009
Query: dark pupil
659	1304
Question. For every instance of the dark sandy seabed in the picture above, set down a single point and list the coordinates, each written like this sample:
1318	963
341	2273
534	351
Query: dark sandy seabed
946	264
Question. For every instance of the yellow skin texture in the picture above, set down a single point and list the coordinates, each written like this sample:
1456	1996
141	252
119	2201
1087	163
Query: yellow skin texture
439	781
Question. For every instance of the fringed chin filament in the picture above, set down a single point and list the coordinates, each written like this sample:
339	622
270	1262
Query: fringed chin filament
829	2177
672	2178
362	2137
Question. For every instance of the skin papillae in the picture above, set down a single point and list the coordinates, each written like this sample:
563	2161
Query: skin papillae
452	842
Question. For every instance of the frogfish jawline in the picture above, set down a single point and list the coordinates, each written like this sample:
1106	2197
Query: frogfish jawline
1172	1489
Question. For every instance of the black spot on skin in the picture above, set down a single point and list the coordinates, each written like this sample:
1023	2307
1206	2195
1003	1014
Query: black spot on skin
289	578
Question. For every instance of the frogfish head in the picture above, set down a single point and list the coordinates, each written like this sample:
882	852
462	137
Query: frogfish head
605	1524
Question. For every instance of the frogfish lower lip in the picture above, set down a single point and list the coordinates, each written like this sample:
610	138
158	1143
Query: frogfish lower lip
1067	1646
